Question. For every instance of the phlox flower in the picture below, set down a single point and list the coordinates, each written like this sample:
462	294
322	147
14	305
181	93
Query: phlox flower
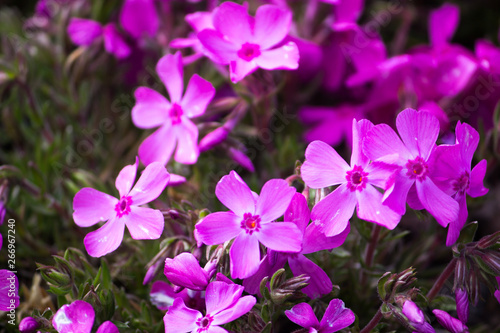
177	132
8	282
250	221
416	317
324	167
79	317
185	271
162	295
92	206
245	42
223	303
336	317
418	132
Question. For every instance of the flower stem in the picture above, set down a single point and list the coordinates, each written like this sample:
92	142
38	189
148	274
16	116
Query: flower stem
371	325
442	279
370	251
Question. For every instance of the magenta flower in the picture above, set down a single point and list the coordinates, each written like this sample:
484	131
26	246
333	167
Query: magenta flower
163	295
185	271
462	301
139	18
324	167
336	317
223	303
177	131
79	317
250	221
451	324
416	317
9	288
245	42
92	206
451	172
418	131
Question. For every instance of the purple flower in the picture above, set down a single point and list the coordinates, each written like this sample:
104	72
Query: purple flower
28	325
324	167
162	295
418	131
79	317
451	172
223	303
462	300
185	271
245	42
92	206
9	288
416	317
250	222
336	317
139	18
451	324
177	131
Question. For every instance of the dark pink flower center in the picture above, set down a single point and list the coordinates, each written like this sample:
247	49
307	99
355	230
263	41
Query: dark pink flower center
462	183
175	114
250	223
204	323
417	168
123	206
356	178
249	51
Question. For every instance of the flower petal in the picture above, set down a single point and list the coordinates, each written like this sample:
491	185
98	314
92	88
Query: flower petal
151	108
217	228
162	295
359	131
159	146
150	185
139	18
240	68
323	166
333	212
242	306
107	327
451	324
199	93
443	207
221	296
106	239
395	196
272	24
336	317
223	50
442	24
83	32
419	131
280	236
315	241
126	178
185	271
468	139
274	199
370	208
319	283
180	318
114	42
75	317
187	150
382	174
303	315
235	194
245	256
456	225
477	188
170	71
91	206
232	21
381	141
283	57
144	223
298	212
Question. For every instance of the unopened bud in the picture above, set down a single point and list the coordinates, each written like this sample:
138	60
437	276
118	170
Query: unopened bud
462	300
28	325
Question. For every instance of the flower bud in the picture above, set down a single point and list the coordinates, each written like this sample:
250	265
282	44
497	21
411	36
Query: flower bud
416	317
451	324
28	325
462	300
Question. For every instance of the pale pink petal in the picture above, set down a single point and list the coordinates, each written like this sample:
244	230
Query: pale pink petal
419	131
199	93
395	196
106	239
217	228
107	327
180	318
280	236
443	207
303	315
332	214
381	174
477	188
91	206
170	71
176	180
235	194
216	329
83	32
75	317
298	212
370	208
187	150
283	57
456	225
240	68
181	43
381	141
359	131
126	178
468	139
272	24
315	241
442	24
336	317
221	296
151	109
200	20
185	271
114	42
223	50
159	146
150	185
245	256
323	166
144	223
139	18
242	306
274	199
319	283
232	21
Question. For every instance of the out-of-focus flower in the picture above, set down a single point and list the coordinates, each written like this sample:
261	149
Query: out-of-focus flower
245	43
92	206
453	325
185	271
139	18
418	131
250	221
28	325
9	288
416	317
324	167
163	295
177	132
79	317
223	303
336	317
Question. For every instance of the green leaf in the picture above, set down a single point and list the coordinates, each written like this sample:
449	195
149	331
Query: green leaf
468	232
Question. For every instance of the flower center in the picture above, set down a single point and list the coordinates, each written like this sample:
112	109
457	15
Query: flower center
249	51
356	178
204	323
417	168
250	223
175	114
462	183
123	206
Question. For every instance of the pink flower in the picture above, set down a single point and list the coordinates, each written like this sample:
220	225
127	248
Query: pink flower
177	131
416	317
245	42
92	206
185	271
223	302
250	221
139	18
324	167
79	317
